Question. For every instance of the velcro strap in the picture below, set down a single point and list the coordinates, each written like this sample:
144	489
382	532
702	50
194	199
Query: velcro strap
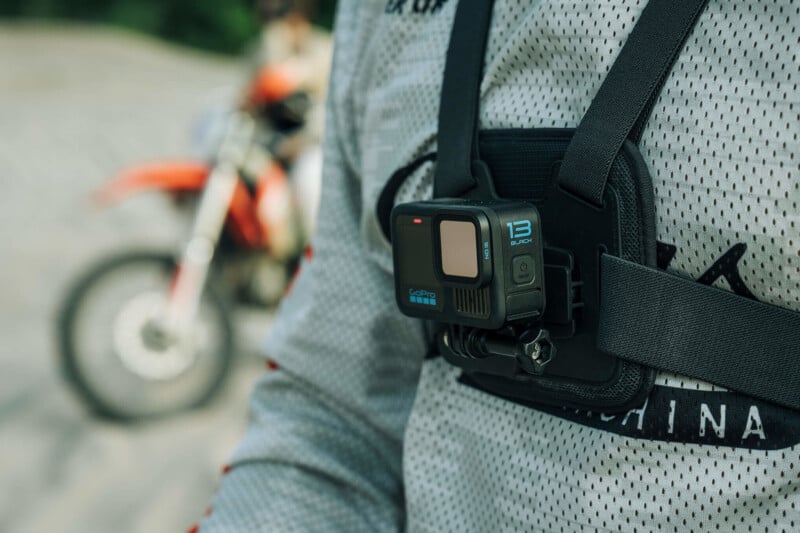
676	324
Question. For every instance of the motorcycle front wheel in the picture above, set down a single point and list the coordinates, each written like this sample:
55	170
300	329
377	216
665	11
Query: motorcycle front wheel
117	356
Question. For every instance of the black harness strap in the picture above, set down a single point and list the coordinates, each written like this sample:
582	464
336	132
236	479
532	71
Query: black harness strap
672	323
624	101
458	110
618	111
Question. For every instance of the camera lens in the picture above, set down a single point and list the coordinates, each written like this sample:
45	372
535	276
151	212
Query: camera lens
459	248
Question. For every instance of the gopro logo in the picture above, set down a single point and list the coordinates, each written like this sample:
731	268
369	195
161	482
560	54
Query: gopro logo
422	297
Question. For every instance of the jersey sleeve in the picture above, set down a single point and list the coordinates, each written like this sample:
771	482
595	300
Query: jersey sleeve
323	448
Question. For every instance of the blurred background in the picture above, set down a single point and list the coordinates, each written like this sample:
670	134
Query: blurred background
136	135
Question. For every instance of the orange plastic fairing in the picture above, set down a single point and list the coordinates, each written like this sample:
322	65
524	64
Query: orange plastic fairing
242	218
185	176
272	84
173	176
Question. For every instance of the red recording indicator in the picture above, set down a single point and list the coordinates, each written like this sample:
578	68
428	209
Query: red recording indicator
417	221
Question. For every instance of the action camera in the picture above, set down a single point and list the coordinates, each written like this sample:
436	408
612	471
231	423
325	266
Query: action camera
471	263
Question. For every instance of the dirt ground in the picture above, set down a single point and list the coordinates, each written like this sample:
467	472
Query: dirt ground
76	105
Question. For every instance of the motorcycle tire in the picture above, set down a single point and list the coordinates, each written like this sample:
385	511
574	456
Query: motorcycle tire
110	357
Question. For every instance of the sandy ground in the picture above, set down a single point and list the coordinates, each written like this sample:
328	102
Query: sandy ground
76	105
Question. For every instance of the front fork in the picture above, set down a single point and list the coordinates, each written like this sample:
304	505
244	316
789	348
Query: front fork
198	252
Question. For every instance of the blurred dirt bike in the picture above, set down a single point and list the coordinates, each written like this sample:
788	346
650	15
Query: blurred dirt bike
144	334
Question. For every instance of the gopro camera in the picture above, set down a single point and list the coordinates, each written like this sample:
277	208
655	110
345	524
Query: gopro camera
470	263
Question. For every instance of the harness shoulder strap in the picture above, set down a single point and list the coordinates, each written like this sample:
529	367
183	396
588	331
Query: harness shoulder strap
619	110
459	105
624	101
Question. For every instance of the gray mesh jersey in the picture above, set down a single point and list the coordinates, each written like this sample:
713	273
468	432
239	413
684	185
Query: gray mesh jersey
357	431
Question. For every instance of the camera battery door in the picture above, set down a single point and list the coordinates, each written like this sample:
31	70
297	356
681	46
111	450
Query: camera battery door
522	251
469	263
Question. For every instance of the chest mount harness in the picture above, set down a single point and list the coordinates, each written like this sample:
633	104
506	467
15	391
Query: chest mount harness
537	256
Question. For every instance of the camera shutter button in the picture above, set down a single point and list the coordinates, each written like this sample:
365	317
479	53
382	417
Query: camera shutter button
522	269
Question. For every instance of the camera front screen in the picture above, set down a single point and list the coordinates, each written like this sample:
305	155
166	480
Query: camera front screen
459	248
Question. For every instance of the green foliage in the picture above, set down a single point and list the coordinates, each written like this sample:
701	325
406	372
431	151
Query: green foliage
220	25
325	12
